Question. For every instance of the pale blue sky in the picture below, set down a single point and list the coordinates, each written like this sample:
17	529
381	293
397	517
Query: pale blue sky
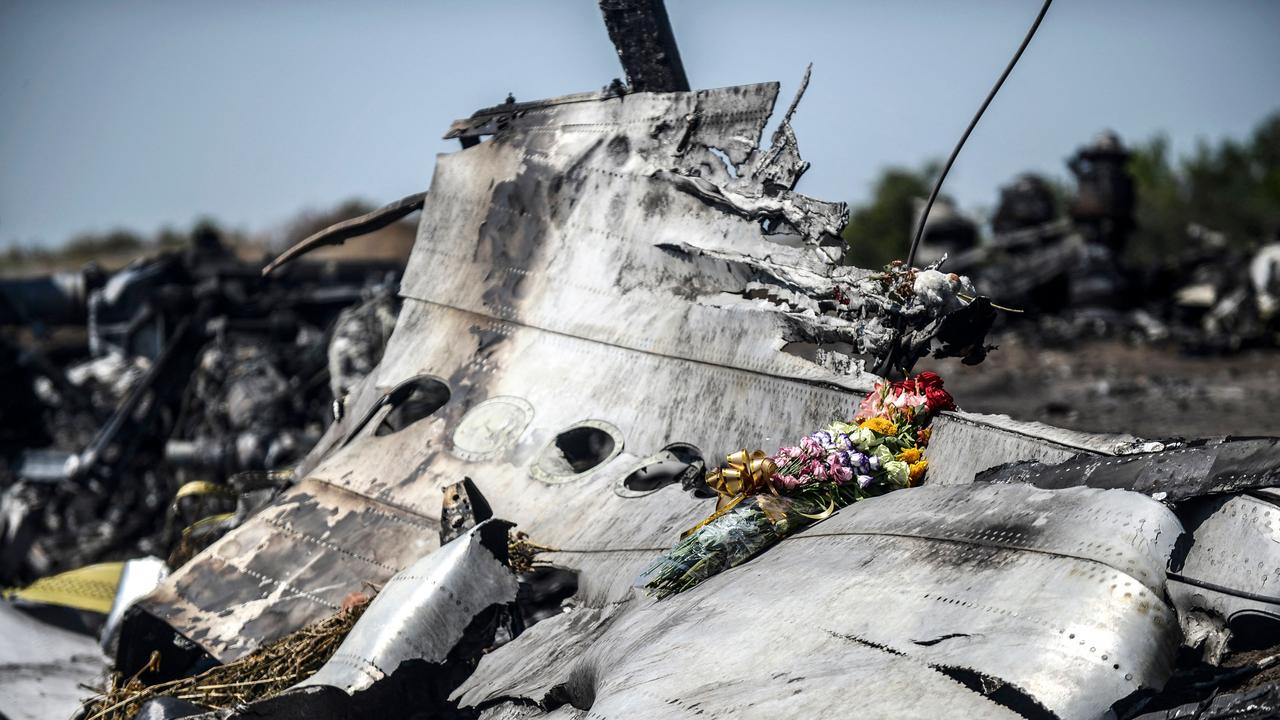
140	113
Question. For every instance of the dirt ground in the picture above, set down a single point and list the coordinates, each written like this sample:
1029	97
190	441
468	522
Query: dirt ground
1110	386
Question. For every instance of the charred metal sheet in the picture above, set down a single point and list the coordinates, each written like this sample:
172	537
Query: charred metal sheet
1229	568
758	187
355	227
1210	467
646	45
555	291
964	444
1260	703
463	507
914	598
423	612
581	312
570	223
293	563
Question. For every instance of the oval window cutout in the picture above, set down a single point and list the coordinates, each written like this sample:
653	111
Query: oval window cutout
412	401
677	462
576	450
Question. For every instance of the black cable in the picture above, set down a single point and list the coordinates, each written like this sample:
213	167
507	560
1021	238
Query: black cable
915	241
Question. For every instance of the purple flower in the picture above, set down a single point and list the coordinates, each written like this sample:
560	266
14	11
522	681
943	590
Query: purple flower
873	462
823	438
860	462
845	442
839	472
864	481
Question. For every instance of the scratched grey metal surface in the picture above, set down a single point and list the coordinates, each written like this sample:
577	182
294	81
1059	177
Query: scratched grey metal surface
560	279
597	264
1233	565
513	711
1058	594
964	444
294	563
715	664
44	668
1201	467
424	610
571	221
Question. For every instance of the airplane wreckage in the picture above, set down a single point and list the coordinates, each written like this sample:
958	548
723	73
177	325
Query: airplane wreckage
609	293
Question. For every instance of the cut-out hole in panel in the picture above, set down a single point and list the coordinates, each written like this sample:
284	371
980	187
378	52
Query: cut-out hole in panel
576	450
583	448
1253	630
412	401
677	462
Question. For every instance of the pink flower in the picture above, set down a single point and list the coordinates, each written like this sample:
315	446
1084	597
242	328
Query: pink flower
870	405
838	472
811	447
786	455
816	471
907	399
785	482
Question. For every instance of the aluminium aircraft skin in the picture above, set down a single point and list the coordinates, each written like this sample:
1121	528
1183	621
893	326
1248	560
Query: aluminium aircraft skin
609	274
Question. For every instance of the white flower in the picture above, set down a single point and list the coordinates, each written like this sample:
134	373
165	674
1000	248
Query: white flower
864	439
899	473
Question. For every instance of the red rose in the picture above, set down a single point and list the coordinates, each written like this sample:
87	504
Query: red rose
928	379
918	384
937	399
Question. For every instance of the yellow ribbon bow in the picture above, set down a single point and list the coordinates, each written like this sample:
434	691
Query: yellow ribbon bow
746	474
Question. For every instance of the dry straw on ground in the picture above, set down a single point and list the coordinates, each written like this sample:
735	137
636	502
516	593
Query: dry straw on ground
261	674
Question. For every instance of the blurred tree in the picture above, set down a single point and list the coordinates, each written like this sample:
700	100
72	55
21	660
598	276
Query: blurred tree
880	230
1161	219
115	241
309	222
1232	187
169	238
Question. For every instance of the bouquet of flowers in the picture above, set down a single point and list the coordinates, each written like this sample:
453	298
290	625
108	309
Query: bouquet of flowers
766	498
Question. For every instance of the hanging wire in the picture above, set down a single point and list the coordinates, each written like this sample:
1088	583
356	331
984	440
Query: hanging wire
933	195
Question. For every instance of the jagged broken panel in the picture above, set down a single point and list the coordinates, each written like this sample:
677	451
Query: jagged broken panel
1178	472
965	444
569	311
578	217
424	611
292	564
974	601
1230	564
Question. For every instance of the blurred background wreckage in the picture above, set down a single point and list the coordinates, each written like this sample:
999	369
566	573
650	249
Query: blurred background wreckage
608	293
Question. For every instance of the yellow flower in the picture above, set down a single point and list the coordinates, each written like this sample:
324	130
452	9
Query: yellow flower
880	425
917	470
909	455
